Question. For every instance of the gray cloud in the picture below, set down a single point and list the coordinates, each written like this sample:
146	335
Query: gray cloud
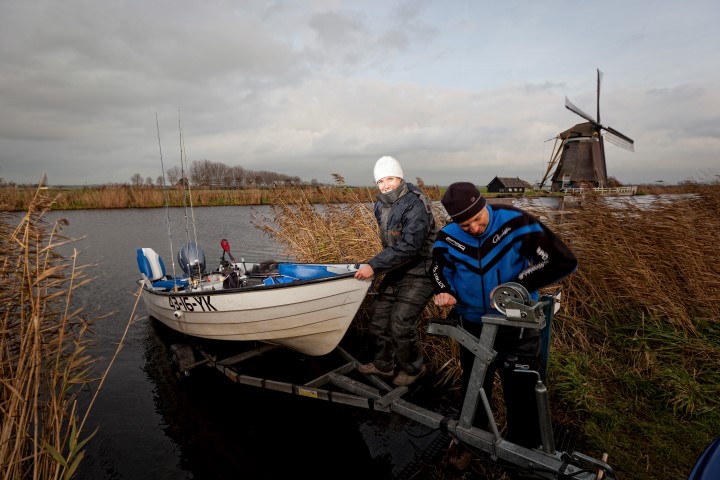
455	90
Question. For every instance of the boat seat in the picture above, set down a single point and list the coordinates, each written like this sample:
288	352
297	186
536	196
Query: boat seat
304	272
153	270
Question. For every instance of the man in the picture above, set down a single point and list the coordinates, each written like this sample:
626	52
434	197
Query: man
407	233
483	247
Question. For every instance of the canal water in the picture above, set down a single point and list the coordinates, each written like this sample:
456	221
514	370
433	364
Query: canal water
151	425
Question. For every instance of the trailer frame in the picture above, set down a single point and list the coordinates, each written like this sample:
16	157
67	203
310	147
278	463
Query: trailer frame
374	393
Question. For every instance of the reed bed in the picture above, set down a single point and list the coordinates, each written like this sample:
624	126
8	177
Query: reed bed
637	349
15	199
44	359
636	346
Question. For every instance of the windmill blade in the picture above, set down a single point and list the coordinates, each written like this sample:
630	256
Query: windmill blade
599	80
570	106
617	138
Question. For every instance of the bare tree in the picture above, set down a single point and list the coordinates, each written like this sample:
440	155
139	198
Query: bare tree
173	175
238	176
136	180
217	173
149	181
200	172
159	181
212	174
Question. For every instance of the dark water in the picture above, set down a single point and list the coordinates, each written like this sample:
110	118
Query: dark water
150	425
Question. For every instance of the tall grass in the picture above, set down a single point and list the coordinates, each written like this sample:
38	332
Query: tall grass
13	198
44	358
17	198
637	352
634	368
324	233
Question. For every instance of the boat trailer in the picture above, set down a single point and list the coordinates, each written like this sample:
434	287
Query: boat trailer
516	310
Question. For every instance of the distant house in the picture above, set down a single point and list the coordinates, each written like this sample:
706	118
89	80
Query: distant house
507	185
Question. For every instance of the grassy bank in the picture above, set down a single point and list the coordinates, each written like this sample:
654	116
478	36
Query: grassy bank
125	196
636	347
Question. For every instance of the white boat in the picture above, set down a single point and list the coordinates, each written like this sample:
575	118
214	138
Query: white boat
306	307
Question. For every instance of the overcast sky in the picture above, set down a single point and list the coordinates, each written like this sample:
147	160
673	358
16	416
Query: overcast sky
454	89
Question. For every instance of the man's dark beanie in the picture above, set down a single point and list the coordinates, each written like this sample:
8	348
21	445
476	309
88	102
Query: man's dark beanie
462	201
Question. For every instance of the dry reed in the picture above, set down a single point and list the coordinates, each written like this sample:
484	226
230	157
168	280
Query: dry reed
44	356
13	198
636	347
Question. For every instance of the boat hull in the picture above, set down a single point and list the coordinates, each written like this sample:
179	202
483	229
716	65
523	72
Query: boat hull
309	316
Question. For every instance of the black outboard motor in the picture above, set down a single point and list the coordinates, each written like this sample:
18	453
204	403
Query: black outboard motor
192	260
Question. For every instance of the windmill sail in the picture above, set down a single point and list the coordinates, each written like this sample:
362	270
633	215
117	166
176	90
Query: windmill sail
617	138
571	106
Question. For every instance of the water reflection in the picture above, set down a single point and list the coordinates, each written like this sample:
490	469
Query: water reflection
225	430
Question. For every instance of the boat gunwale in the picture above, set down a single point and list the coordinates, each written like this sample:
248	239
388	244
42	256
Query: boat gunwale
254	288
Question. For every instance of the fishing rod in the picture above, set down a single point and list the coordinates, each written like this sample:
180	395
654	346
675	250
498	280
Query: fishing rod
187	196
183	163
165	195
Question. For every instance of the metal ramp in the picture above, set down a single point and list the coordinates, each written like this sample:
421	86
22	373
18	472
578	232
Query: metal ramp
344	385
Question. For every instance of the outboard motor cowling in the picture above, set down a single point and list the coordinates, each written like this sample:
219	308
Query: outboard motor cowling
192	259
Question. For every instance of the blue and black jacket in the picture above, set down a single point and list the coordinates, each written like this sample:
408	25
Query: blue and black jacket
515	247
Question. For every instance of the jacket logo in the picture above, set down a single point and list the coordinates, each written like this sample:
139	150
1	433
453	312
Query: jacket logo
499	236
456	244
545	259
436	276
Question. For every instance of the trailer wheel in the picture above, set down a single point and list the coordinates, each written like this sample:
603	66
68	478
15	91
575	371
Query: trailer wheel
183	359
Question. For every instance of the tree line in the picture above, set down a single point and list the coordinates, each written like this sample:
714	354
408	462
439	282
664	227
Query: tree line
204	173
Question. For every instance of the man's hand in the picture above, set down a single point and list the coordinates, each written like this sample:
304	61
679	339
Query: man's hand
366	271
444	300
